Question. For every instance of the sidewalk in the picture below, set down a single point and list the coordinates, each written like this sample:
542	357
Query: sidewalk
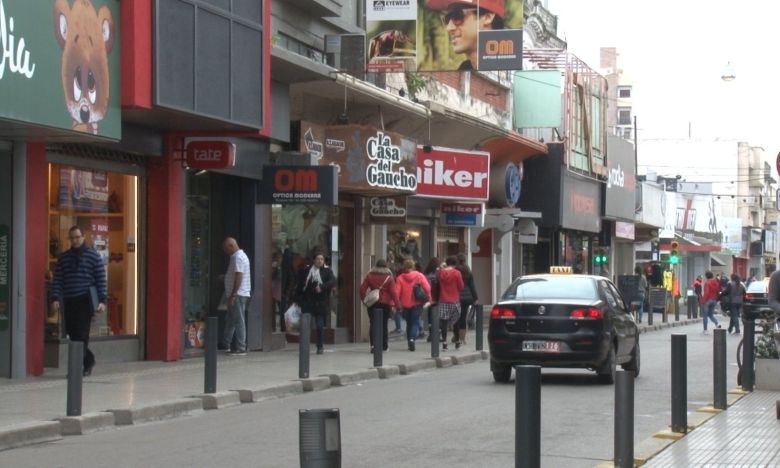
747	434
128	393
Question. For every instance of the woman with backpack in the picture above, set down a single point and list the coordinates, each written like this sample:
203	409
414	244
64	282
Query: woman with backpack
413	291
735	292
380	279
468	297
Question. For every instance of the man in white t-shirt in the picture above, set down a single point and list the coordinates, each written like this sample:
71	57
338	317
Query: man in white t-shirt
237	291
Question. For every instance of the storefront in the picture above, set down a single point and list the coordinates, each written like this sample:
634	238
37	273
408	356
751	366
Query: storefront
619	207
570	222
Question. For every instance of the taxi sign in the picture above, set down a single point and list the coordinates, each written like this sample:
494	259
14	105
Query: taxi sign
560	270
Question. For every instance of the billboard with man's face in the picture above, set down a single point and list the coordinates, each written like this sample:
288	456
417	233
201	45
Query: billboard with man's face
444	35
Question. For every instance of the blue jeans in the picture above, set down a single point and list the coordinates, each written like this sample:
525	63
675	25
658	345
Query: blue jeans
234	324
709	312
641	308
412	317
734	315
397	320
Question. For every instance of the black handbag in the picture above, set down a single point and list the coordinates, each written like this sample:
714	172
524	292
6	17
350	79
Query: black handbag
419	293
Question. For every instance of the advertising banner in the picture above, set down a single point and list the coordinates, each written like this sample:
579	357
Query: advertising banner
444	35
731	240
579	204
620	199
369	161
83	190
299	185
453	173
48	78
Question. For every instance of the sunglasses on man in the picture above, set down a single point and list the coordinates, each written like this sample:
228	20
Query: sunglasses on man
456	16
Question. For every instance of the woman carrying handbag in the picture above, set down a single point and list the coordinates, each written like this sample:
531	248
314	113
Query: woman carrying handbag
378	294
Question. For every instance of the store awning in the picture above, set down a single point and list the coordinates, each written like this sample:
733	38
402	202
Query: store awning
716	261
513	147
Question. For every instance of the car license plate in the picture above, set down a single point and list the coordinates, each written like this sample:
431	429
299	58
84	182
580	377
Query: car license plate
542	346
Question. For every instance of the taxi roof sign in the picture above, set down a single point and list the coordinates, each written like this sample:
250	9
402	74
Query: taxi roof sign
561	270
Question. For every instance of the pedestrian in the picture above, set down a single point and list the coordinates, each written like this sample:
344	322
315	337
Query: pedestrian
723	300
709	298
735	293
79	288
430	274
641	291
468	297
450	284
380	277
411	303
238	287
697	288
315	282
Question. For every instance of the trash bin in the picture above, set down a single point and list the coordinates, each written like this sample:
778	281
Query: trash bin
320	438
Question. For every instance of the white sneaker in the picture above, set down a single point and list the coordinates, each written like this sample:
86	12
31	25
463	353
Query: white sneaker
705	332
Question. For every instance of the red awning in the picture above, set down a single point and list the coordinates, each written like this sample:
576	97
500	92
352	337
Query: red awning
513	147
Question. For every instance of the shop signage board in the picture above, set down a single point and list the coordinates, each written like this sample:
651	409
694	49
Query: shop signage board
387	210
463	214
47	79
446	173
624	230
369	161
619	199
210	154
580	202
431	35
296	185
5	277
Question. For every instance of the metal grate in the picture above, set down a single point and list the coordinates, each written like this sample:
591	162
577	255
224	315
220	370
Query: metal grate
97	153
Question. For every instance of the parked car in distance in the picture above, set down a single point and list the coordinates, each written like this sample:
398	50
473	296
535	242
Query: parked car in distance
756	300
563	320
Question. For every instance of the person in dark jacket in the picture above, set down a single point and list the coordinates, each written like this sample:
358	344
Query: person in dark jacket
315	282
468	297
735	292
380	277
79	269
430	273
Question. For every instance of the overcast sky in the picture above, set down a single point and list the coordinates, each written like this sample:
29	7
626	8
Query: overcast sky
676	51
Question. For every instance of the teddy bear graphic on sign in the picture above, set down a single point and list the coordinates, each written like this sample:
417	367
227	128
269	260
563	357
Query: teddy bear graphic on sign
86	37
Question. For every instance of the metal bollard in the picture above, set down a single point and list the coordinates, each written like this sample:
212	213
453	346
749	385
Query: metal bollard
377	318
650	316
719	369
748	354
528	414
75	369
624	419
665	315
303	346
435	333
691	303
676	310
320	438
210	371
479	311
679	383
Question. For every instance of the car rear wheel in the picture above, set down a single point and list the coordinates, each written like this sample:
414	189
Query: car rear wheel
608	369
501	373
633	364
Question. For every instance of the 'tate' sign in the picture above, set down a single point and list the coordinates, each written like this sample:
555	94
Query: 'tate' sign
452	173
212	154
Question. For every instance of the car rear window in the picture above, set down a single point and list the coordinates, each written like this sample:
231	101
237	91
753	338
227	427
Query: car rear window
757	287
560	287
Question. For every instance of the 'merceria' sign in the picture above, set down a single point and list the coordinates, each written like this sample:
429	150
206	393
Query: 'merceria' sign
59	64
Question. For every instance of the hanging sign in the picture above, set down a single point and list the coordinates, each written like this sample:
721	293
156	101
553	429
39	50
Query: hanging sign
463	214
296	185
453	173
202	154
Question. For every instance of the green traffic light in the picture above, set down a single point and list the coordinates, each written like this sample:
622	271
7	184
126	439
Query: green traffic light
674	259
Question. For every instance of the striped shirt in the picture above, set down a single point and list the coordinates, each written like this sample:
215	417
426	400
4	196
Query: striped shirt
239	263
77	270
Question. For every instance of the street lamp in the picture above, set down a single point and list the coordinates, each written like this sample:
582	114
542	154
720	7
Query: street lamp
728	73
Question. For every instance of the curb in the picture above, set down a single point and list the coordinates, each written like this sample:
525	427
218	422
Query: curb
20	435
442	362
86	423
279	391
157	412
407	369
385	372
315	383
219	400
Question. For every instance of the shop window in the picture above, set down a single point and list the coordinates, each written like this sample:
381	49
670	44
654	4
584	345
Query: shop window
407	241
197	257
105	206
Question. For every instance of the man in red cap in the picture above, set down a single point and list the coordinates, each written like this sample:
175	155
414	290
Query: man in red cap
463	19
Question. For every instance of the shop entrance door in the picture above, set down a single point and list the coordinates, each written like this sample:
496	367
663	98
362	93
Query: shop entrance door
346	280
6	224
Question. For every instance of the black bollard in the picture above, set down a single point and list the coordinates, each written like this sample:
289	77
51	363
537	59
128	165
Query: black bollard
719	369
624	419
691	303
210	374
676	310
377	320
679	383
435	333
748	354
528	413
303	346
75	369
650	316
479	311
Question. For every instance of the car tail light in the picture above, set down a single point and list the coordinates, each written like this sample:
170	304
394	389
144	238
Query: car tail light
498	312
589	313
748	296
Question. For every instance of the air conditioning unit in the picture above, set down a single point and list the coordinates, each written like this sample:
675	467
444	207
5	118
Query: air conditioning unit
347	53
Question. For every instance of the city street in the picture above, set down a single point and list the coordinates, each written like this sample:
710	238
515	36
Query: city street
440	418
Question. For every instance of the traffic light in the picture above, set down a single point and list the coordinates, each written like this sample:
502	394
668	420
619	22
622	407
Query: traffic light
674	254
601	257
